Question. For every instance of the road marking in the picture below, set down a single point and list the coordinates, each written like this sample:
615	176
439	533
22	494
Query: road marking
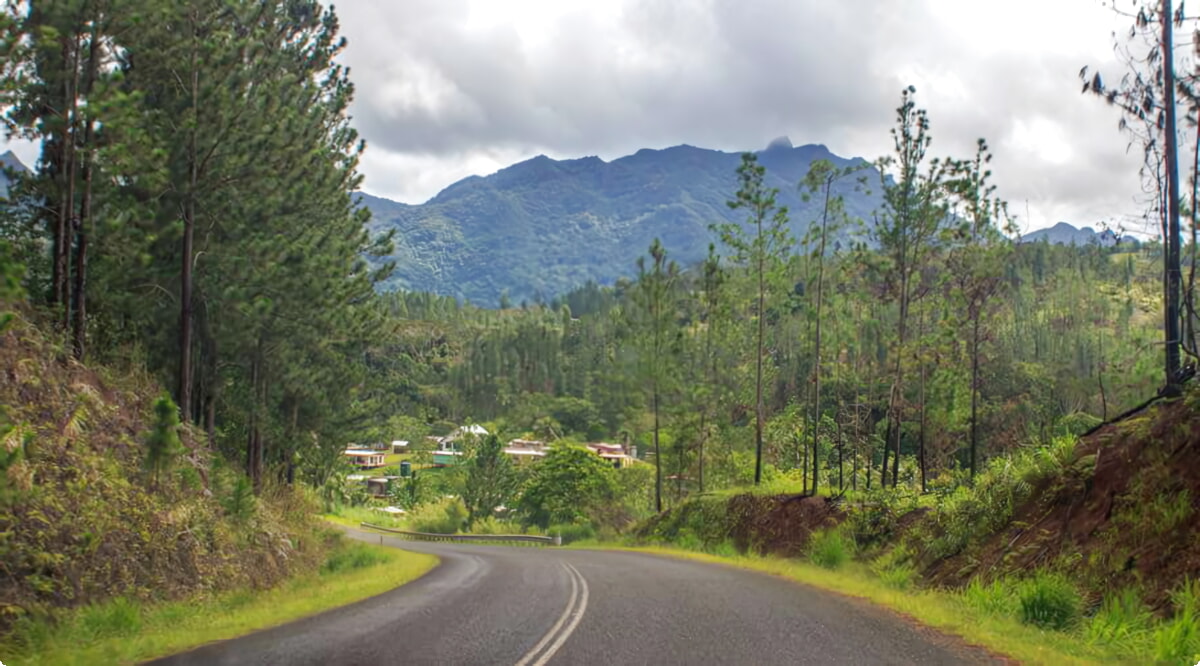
558	633
566	633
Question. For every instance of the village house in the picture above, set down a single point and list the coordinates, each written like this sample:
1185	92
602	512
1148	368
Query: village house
365	459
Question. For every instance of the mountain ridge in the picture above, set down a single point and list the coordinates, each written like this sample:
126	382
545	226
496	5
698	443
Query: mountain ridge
537	228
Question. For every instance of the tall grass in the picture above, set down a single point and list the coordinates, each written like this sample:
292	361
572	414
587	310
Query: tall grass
830	548
1177	641
1050	601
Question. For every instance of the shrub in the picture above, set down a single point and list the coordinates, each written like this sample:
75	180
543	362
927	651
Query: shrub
830	548
444	517
1049	601
994	598
571	532
493	525
351	557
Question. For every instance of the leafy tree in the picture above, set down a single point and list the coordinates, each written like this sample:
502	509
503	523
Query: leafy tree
566	486
491	479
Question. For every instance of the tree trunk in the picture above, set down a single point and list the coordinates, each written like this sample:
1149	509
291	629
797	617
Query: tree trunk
657	456
974	395
758	401
1172	276
189	226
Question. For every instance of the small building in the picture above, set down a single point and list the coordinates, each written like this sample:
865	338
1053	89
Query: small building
364	459
399	446
613	453
448	453
378	486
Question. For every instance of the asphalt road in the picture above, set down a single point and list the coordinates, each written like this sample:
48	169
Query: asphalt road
535	606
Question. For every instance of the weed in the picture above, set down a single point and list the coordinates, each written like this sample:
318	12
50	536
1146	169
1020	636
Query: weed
1049	601
830	548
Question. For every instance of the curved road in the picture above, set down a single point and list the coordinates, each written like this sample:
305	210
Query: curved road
535	606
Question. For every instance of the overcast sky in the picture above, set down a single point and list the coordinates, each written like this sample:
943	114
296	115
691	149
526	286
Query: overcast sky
450	88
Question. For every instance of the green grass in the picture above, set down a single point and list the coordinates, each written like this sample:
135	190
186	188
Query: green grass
123	631
948	612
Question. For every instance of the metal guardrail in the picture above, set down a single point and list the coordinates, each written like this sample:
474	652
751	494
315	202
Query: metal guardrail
487	538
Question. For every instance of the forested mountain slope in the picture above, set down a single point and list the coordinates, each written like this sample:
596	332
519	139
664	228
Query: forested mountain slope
542	227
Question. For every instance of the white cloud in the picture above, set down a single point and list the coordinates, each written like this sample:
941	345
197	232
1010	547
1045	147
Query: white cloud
451	88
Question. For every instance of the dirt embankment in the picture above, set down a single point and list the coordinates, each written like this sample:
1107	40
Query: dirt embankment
1125	514
1121	510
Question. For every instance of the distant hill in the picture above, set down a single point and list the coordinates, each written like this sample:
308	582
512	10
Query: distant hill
8	161
1066	234
541	227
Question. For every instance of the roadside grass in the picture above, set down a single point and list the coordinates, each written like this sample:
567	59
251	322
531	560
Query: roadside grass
124	631
352	516
990	628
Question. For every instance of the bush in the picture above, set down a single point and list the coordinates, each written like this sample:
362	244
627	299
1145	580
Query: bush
1049	601
994	598
572	532
493	525
830	548
445	517
351	557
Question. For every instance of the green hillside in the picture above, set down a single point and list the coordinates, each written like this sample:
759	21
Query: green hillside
542	227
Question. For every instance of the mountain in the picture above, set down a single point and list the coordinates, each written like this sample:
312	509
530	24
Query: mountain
8	161
1066	234
543	226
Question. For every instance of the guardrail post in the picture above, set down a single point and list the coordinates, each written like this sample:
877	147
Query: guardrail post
558	539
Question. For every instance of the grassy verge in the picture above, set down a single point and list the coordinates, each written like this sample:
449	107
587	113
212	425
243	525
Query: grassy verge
122	631
944	611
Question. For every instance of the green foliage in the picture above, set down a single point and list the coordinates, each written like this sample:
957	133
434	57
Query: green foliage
351	557
896	567
241	504
873	519
570	484
447	516
111	618
1076	423
162	443
1177	641
572	532
1048	600
830	548
1122	620
997	597
490	480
